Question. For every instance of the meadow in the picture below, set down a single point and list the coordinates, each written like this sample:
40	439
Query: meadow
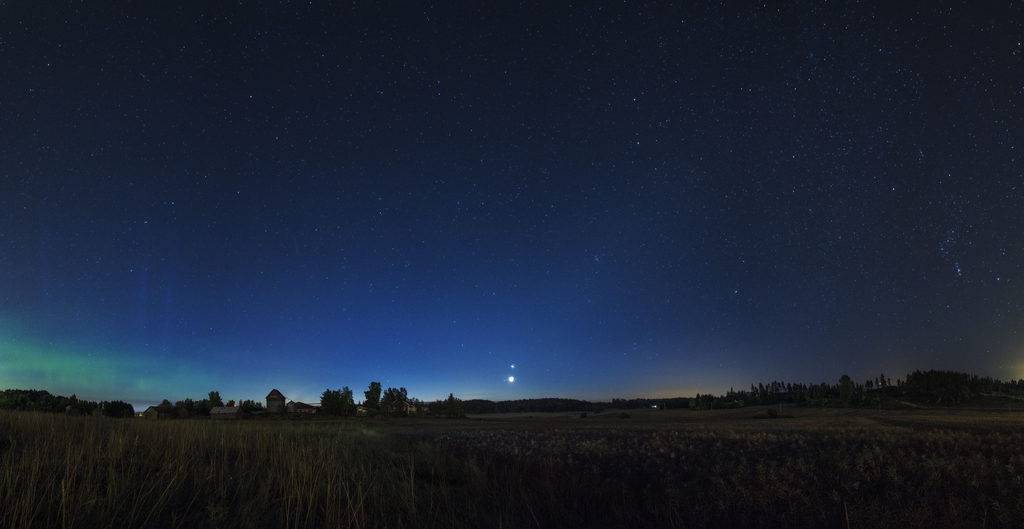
647	468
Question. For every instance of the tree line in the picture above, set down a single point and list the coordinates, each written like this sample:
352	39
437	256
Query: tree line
42	400
935	387
392	402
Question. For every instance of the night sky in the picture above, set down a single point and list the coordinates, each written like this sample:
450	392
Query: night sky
634	200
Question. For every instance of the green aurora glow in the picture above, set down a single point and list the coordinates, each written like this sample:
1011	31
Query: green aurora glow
95	372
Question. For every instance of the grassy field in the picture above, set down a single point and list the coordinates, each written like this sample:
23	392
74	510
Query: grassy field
812	468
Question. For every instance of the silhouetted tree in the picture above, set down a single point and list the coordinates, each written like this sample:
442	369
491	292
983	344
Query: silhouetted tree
249	406
117	408
330	402
348	403
845	388
393	402
215	400
453	407
202	407
372	395
337	402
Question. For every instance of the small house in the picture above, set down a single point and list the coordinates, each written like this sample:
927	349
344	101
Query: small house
362	411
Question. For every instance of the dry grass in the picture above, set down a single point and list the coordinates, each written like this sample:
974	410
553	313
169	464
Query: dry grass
903	469
83	472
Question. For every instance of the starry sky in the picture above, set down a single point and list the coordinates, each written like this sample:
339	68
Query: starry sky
629	200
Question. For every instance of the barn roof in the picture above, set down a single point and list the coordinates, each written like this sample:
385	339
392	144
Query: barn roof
275	395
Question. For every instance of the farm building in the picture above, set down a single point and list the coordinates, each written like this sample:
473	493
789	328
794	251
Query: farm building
301	407
275	402
225	412
362	410
164	412
409	408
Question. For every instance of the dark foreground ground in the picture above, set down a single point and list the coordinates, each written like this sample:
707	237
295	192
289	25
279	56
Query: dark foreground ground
811	468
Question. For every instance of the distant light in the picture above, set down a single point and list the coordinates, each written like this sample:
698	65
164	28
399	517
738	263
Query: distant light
513	366
511	379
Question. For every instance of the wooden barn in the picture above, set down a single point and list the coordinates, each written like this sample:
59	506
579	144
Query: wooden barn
275	402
